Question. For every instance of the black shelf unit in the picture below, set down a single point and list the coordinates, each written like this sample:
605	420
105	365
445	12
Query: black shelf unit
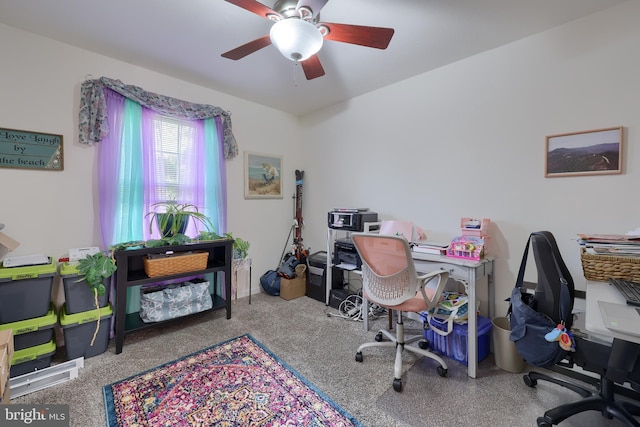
131	272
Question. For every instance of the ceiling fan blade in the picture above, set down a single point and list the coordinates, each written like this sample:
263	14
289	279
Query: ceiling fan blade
248	48
312	67
376	37
315	5
254	7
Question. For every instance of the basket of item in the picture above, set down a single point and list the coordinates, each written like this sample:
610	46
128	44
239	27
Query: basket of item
156	265
604	267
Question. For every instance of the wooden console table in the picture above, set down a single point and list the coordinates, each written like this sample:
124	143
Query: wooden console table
131	272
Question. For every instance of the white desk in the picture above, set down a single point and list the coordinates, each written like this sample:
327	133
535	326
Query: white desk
470	273
603	291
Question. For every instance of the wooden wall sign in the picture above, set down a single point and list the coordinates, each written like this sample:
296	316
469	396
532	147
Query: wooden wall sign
30	150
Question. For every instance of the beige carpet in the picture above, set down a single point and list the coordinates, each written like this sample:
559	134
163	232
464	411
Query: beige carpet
322	349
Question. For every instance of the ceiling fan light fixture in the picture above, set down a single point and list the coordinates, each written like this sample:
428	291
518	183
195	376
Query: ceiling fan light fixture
296	39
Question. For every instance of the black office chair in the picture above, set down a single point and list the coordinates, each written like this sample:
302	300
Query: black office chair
613	364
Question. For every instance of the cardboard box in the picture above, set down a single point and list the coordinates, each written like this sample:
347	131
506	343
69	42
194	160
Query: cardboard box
5	361
293	288
8	242
6	355
6	398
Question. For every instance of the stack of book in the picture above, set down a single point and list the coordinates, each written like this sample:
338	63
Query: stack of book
611	244
427	247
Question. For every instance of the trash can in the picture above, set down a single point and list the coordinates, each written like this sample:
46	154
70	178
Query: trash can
504	350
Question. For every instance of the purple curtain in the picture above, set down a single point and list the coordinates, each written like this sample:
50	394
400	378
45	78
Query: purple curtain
129	172
219	183
193	185
109	166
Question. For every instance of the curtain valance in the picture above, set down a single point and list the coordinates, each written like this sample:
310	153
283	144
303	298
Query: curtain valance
93	110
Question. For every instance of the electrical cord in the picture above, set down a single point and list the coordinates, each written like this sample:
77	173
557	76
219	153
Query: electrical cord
351	309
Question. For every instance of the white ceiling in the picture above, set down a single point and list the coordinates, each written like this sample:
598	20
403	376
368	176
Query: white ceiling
185	38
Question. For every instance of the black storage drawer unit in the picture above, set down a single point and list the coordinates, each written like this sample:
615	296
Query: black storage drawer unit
317	279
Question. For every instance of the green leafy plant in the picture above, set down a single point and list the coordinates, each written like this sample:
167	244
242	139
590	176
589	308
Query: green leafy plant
177	239
94	269
240	248
128	245
212	235
172	217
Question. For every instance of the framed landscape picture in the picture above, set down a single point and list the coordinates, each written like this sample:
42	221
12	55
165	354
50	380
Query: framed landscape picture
262	176
593	152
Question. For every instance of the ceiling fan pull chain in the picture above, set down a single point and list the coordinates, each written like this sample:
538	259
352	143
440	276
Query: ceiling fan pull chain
295	73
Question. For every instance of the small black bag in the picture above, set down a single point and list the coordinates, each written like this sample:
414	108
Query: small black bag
288	267
529	327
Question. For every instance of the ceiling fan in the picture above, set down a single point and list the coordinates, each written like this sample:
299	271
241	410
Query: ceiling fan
298	33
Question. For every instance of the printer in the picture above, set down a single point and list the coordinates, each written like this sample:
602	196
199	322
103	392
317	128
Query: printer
344	251
350	219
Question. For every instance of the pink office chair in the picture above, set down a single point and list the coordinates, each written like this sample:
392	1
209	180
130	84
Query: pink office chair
389	279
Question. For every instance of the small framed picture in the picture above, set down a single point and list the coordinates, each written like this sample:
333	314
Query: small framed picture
262	176
23	149
592	152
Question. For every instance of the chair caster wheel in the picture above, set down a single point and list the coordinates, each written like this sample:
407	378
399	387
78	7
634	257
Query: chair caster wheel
543	423
397	384
531	382
423	344
359	356
378	336
442	371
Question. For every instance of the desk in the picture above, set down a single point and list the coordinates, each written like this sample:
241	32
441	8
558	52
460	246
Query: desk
466	271
624	349
603	291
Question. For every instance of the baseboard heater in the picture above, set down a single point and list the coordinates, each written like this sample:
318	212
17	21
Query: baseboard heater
44	378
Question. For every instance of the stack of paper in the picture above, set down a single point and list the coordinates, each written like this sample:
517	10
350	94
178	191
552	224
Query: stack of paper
611	244
427	247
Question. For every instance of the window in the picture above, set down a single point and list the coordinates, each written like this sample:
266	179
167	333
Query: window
149	157
174	140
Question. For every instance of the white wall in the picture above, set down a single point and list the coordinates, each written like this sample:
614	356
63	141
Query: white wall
52	211
469	140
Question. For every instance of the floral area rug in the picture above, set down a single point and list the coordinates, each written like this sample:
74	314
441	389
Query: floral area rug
235	383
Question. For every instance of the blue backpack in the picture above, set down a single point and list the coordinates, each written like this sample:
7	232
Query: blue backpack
270	282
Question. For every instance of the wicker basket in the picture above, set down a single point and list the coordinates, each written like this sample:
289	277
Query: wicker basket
603	267
176	263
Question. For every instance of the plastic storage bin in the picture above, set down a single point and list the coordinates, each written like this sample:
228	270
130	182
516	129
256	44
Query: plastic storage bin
78	332
33	332
77	295
32	359
454	345
25	292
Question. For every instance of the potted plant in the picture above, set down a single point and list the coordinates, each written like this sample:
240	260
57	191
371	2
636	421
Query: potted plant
240	248
172	217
